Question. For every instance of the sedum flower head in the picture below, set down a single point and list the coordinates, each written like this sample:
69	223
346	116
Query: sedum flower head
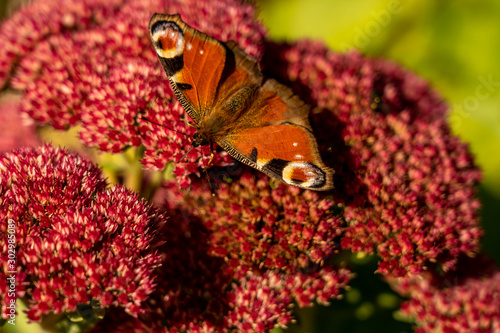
198	291
75	239
255	225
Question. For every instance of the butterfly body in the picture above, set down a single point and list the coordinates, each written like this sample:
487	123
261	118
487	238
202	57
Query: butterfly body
260	123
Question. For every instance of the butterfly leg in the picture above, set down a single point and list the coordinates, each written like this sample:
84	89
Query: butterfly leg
205	169
211	154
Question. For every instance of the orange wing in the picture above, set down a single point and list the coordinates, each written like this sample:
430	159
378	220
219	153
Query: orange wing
193	61
220	86
275	137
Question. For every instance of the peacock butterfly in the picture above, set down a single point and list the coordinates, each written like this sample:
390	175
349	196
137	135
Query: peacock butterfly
262	124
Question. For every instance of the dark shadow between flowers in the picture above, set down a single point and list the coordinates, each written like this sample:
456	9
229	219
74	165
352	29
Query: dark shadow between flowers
275	65
478	267
226	174
327	128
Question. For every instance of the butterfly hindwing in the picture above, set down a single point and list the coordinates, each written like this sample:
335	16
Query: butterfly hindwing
276	138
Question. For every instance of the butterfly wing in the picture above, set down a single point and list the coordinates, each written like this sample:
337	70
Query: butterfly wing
193	62
220	87
276	138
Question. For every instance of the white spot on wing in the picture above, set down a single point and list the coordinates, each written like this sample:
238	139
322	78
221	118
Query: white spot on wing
295	144
201	51
189	46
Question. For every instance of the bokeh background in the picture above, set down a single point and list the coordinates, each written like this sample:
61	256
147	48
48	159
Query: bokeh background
455	45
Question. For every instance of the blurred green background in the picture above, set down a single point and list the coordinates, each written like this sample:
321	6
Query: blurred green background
455	45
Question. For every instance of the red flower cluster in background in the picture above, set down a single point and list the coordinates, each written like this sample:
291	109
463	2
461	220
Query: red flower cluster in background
16	129
238	260
465	300
75	239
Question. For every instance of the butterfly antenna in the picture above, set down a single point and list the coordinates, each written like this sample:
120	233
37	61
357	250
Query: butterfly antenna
179	161
171	129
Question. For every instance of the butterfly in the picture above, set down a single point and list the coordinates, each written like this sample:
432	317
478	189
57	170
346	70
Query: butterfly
260	123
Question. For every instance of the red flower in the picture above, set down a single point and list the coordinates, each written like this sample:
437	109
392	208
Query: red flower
466	300
75	240
254	225
199	292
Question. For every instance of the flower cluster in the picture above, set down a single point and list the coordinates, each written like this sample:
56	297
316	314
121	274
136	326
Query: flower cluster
255	225
93	63
407	183
200	292
78	241
468	300
75	239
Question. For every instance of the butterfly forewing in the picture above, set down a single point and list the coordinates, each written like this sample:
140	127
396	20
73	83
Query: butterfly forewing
192	60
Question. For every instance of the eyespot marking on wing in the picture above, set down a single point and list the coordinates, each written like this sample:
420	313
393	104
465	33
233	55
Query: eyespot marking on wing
303	174
168	39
